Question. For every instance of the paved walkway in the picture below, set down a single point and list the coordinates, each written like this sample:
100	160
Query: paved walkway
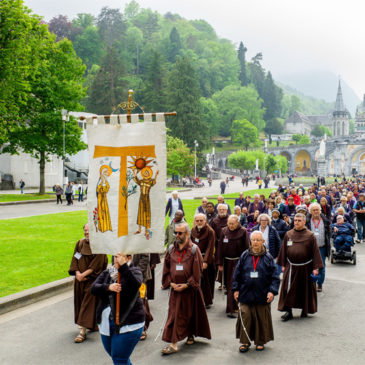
42	334
27	210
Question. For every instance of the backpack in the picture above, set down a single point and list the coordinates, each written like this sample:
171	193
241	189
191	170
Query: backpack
193	250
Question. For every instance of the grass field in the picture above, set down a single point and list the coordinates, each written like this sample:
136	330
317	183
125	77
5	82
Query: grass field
22	197
251	193
37	250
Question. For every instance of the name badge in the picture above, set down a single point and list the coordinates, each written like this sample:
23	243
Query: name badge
316	233
78	255
254	274
289	243
179	267
197	240
225	240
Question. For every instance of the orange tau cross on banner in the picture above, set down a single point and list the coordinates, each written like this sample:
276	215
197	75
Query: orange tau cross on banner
139	163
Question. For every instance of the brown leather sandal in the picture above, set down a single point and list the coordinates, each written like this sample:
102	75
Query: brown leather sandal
80	338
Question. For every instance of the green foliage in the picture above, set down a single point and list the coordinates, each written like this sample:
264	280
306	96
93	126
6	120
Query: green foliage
282	163
273	126
246	160
296	138
184	97
304	140
55	85
242	59
320	130
111	26
272	96
175	45
180	160
290	104
270	163
235	103
210	116
244	133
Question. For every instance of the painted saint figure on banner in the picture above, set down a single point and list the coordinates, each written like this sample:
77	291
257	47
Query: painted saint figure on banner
145	184
102	190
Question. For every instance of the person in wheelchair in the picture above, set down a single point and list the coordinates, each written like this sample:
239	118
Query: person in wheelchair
343	235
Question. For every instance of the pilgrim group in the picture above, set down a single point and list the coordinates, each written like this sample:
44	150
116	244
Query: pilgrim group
265	247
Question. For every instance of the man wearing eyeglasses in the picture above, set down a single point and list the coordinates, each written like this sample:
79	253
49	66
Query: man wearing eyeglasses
187	316
204	237
300	260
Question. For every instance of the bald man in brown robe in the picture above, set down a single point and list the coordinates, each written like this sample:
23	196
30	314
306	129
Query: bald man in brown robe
187	316
218	223
233	242
86	267
204	237
299	257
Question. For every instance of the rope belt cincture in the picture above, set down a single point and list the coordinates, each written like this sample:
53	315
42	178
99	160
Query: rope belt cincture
290	269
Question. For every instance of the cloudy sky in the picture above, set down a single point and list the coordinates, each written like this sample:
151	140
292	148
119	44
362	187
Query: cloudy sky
293	35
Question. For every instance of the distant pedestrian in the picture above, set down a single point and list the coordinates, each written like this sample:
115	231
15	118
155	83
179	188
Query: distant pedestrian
81	193
59	192
173	204
21	184
74	189
223	186
68	193
210	181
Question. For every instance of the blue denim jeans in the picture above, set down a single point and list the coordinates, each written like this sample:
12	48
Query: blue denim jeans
121	346
343	242
322	272
360	229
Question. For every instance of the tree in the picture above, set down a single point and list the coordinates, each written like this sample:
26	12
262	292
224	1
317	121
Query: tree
304	140
175	45
20	35
273	126
270	164
154	87
56	85
272	96
131	10
296	138
244	133
62	27
320	130
246	160
179	157
242	59
282	163
184	97
84	20
111	26
210	115
108	88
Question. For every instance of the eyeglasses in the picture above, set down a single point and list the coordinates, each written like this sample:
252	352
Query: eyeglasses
178	233
297	220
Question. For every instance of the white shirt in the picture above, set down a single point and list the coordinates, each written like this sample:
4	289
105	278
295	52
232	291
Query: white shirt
174	208
104	327
266	236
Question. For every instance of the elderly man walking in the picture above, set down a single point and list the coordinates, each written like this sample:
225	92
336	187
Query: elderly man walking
187	316
300	260
321	227
173	204
204	237
170	229
233	242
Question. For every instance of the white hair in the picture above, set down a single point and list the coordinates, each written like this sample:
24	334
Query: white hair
258	232
233	216
222	205
264	215
175	192
237	207
257	196
340	216
184	224
202	215
314	205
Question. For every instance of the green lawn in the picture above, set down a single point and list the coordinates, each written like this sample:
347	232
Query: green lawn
251	193
21	197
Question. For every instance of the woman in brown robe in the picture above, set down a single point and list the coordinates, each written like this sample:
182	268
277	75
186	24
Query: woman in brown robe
233	242
187	316
204	237
299	257
85	267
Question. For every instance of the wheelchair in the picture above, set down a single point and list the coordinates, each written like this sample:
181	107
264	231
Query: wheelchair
343	256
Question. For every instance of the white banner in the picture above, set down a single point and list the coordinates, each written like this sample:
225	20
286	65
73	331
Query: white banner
127	187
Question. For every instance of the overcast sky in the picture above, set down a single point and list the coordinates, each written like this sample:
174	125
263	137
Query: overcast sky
293	35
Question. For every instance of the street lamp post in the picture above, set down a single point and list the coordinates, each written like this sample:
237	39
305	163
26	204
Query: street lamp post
196	144
64	119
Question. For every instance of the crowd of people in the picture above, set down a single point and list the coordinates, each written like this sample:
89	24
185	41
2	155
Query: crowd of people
71	190
275	245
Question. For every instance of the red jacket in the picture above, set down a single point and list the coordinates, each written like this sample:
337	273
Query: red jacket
295	197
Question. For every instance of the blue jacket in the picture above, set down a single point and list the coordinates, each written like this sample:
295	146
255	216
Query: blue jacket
169	206
274	240
254	290
344	229
280	226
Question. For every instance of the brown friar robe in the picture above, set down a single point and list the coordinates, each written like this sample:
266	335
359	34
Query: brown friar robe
154	260
218	224
302	248
230	248
84	303
187	315
205	239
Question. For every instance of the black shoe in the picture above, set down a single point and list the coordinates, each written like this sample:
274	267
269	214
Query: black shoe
232	315
287	316
303	315
319	288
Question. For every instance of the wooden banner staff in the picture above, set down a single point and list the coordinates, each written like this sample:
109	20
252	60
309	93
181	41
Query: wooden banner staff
140	115
129	106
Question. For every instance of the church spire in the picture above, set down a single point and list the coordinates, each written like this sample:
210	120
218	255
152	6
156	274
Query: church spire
339	106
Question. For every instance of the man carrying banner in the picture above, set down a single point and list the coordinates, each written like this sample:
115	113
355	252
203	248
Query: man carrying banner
182	270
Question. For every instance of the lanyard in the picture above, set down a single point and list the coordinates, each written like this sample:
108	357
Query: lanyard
178	255
255	262
316	226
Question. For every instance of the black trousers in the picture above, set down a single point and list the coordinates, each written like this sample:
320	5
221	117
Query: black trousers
59	198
